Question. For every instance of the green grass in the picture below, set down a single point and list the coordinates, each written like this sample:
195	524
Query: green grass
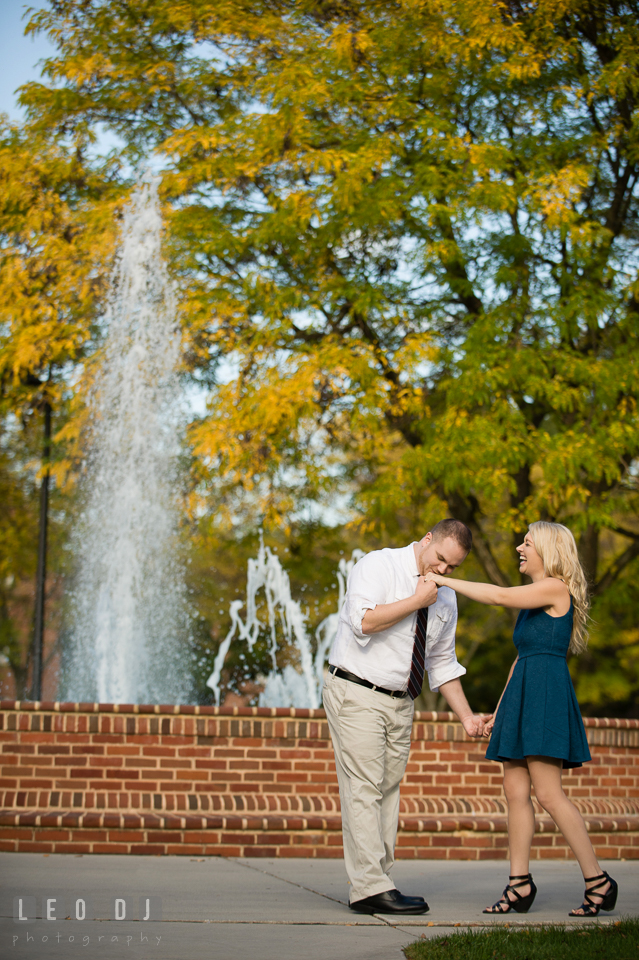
617	941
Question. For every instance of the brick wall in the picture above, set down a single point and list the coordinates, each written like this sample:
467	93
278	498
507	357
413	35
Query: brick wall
259	782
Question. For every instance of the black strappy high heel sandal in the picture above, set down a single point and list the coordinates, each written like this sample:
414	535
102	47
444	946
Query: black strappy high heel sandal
605	901
519	904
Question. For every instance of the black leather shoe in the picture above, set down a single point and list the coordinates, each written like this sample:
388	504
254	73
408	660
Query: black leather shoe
391	901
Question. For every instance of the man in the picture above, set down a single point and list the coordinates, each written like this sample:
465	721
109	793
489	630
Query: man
392	626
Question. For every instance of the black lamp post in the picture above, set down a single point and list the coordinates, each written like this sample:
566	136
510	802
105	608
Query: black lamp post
41	574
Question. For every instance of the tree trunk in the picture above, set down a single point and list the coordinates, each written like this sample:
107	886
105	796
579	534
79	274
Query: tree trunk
589	552
20	679
13	652
524	489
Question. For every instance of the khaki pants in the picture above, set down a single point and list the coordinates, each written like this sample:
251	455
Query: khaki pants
371	738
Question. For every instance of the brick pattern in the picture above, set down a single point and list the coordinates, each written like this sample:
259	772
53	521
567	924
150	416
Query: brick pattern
251	781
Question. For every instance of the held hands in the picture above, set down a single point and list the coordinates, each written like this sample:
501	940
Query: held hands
488	727
435	578
476	726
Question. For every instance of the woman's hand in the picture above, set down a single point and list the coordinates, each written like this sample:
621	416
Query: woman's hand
488	727
435	578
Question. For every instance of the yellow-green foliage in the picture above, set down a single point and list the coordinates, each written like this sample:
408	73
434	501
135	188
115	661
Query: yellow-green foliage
405	239
57	225
56	233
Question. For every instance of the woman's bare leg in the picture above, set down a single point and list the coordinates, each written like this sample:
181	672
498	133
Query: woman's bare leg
521	816
521	820
545	773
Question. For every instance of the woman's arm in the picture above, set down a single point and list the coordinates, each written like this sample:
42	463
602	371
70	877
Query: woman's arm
542	593
490	723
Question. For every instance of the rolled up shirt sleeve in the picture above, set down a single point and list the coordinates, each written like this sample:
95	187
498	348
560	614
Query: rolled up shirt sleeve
441	659
370	582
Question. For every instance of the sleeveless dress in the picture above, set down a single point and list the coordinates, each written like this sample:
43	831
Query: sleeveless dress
539	714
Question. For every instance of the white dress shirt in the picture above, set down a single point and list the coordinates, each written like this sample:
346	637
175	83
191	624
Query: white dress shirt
384	658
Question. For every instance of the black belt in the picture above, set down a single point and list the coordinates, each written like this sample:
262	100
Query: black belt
345	675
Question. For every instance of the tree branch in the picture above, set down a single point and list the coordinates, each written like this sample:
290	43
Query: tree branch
625	533
616	568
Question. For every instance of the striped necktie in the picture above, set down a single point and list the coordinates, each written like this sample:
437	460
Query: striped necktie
416	678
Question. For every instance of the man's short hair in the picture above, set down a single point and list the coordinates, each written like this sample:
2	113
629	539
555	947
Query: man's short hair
455	529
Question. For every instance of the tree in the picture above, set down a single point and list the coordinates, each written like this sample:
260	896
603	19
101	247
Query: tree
56	231
411	228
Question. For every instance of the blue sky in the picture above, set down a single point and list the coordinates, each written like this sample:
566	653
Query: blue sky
18	54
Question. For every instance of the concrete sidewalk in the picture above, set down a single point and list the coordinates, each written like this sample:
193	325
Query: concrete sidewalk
258	909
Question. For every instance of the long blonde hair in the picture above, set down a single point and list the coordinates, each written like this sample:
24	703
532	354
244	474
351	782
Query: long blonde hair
556	546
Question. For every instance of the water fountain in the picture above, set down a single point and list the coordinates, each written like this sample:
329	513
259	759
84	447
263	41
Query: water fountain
128	638
287	686
128	641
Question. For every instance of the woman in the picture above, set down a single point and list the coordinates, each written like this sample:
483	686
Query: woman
537	727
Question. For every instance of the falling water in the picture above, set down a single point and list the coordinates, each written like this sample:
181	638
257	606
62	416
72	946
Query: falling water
291	686
129	626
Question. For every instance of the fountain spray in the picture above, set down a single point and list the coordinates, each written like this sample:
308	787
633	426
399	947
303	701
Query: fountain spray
129	635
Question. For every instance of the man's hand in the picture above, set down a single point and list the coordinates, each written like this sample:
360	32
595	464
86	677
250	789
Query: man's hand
475	725
425	592
386	615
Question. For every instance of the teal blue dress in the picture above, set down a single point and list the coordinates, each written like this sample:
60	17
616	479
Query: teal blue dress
539	714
